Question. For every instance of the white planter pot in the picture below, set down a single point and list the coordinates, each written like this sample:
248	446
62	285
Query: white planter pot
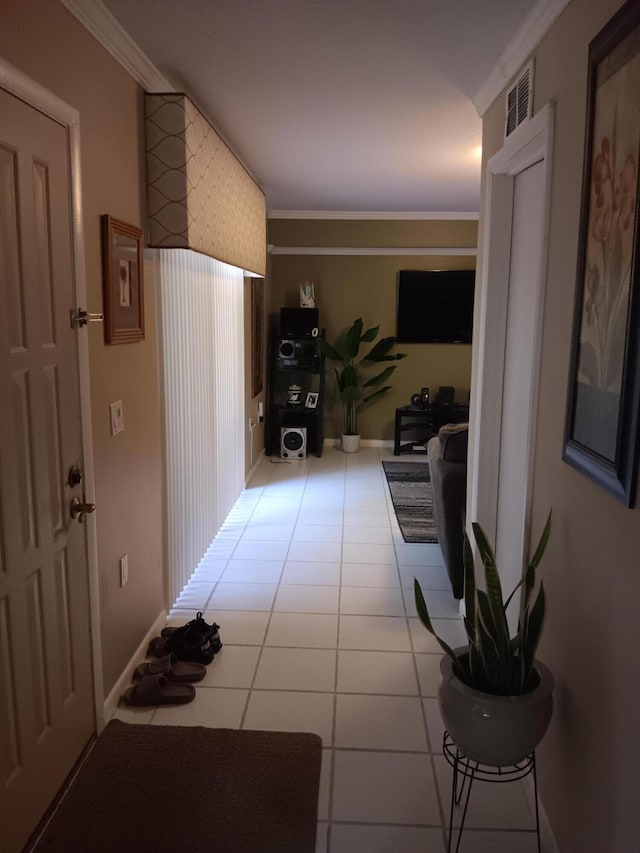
495	730
350	443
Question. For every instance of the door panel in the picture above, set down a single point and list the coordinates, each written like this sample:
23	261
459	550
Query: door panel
519	367
46	697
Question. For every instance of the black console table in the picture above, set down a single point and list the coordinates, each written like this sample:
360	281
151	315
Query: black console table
427	421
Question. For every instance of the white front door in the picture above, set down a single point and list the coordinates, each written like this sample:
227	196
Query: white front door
46	692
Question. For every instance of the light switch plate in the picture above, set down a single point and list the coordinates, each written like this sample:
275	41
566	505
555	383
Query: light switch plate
116	411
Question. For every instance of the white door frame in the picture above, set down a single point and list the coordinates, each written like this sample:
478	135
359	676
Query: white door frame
32	93
529	144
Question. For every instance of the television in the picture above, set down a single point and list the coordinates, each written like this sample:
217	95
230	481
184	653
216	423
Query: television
435	306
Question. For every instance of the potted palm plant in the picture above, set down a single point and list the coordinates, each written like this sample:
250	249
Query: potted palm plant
495	697
354	389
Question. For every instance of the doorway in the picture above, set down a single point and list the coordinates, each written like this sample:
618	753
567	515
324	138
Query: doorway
47	593
507	344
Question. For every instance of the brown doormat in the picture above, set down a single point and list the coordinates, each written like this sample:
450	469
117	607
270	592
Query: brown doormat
179	788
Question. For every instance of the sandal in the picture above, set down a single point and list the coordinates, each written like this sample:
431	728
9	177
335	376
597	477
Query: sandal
173	670
157	690
159	646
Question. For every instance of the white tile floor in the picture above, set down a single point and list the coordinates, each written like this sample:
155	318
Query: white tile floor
312	585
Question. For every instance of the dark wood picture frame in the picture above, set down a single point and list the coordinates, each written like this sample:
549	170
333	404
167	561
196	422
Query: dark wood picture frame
603	401
257	335
122	281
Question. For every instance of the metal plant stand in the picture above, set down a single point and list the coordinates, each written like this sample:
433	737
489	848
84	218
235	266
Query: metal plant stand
465	771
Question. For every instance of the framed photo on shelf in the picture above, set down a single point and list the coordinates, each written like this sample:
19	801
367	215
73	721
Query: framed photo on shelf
122	281
312	400
603	400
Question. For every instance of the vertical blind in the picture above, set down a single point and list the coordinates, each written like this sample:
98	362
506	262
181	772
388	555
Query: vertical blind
201	307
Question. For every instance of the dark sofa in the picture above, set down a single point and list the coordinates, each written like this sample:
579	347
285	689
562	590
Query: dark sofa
447	457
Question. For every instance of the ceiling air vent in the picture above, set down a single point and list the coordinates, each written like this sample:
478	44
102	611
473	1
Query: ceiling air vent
519	100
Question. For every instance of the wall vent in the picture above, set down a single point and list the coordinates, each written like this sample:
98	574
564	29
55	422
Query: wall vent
519	102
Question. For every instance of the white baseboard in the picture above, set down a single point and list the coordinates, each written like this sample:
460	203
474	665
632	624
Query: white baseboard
251	474
111	702
547	838
364	442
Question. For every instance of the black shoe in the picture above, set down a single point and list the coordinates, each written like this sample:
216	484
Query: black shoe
195	641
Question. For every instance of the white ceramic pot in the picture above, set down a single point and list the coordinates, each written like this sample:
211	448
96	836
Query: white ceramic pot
350	443
495	730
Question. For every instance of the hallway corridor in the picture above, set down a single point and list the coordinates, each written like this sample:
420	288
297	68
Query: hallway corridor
312	585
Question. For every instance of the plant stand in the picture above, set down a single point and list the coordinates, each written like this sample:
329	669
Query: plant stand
465	771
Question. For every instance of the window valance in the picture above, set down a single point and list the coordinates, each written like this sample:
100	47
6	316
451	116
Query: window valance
199	195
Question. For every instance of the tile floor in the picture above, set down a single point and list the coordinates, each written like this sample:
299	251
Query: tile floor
311	583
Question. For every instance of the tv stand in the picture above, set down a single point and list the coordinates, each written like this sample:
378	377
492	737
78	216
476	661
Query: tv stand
426	421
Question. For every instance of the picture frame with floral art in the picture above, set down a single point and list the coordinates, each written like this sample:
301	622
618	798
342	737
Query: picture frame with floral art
603	401
122	281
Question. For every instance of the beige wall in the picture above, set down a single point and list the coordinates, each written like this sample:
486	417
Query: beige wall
589	762
42	39
352	286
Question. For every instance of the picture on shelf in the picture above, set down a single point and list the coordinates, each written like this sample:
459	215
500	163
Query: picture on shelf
312	400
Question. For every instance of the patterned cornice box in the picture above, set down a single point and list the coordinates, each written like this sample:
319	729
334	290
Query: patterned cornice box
199	195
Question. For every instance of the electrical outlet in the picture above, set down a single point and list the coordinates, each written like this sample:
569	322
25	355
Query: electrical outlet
116	411
124	569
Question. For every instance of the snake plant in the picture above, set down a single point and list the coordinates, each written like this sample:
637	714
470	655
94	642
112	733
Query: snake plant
495	662
352	387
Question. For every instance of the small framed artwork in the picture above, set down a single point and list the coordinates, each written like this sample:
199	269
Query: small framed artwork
312	400
122	281
603	401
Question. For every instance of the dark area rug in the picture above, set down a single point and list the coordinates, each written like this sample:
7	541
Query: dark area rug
179	788
412	496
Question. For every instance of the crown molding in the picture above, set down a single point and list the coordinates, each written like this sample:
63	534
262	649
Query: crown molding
368	214
536	25
95	16
372	250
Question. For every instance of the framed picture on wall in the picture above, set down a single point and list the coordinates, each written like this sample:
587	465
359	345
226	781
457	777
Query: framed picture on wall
601	429
122	281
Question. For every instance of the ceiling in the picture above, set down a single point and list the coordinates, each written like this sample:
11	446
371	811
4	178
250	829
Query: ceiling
337	105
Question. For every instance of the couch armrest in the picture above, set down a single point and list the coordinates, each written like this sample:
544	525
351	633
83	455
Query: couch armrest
449	485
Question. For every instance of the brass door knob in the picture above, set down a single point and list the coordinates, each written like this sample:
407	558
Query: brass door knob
80	510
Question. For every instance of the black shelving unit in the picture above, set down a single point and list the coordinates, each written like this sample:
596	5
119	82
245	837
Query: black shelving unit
294	361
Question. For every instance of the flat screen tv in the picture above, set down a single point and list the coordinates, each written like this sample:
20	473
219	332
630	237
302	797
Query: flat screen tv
435	306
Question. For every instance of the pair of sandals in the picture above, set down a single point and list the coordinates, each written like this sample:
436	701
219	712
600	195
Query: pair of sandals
165	681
